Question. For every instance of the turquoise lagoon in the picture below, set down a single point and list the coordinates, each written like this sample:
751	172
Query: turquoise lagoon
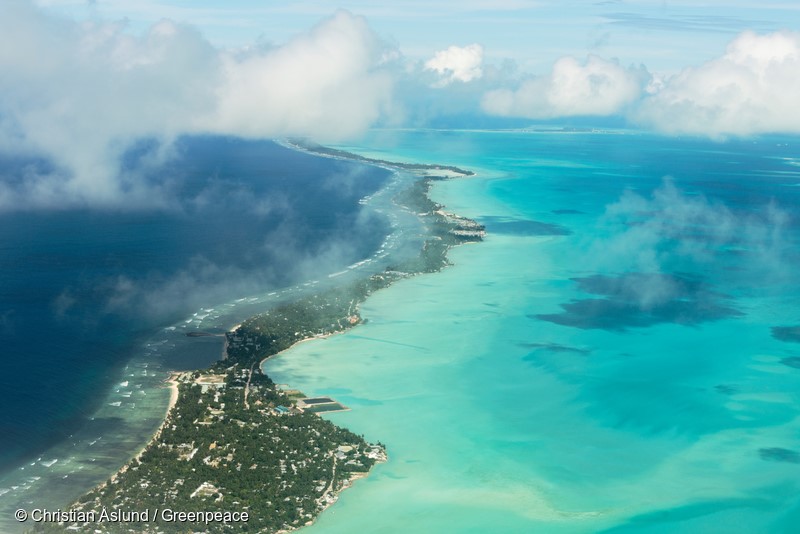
604	362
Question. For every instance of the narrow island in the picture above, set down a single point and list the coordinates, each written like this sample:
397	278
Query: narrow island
310	146
234	442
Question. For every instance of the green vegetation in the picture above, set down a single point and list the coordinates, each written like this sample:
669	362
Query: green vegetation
444	229
218	452
234	442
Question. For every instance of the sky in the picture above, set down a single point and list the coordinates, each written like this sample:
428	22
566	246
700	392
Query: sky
82	81
667	35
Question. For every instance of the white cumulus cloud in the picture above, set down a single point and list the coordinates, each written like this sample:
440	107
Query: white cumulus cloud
594	87
753	88
79	94
457	64
324	83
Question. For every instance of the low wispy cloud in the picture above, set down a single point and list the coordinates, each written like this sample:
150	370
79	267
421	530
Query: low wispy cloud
204	282
643	247
673	231
79	94
229	248
457	64
595	86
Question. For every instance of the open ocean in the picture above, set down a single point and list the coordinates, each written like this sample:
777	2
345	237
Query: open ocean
95	304
620	355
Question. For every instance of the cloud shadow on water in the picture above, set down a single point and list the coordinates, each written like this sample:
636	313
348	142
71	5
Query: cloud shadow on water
639	300
679	517
790	334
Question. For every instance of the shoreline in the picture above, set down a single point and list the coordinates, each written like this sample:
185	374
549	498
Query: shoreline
304	340
447	230
172	380
330	496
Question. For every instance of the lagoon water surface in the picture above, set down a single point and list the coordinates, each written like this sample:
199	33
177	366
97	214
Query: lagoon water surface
617	356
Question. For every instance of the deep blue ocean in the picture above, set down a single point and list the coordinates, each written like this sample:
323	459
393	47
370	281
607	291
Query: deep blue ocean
82	289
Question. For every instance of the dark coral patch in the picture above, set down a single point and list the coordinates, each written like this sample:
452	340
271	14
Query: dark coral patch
726	389
792	361
779	454
568	212
555	347
504	225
